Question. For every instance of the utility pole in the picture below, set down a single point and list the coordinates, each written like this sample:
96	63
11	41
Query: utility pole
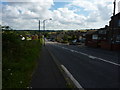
112	28
44	30
114	7
39	30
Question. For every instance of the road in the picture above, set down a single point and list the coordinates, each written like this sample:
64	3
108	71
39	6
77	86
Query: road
92	68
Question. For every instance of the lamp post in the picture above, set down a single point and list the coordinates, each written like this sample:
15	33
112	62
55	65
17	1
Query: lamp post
39	30
44	28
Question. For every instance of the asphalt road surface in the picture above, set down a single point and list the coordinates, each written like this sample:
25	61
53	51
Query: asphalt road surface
47	75
91	67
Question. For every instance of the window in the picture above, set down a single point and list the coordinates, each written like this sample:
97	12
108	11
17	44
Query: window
119	23
94	36
102	32
118	38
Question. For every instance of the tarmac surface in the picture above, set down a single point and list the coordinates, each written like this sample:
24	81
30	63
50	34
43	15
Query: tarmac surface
91	67
47	74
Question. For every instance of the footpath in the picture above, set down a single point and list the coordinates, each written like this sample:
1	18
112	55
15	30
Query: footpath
47	74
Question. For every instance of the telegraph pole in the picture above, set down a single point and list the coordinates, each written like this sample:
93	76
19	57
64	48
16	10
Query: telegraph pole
112	28
114	7
39	30
44	30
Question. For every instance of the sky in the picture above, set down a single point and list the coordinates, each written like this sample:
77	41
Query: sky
65	14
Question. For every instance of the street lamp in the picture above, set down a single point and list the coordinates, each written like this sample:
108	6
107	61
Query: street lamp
44	28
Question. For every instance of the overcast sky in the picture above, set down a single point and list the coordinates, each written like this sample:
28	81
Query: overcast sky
65	14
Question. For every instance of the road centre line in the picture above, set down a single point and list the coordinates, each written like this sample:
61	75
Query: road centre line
72	50
90	56
108	61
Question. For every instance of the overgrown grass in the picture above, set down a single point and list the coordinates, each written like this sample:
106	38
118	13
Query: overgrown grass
19	61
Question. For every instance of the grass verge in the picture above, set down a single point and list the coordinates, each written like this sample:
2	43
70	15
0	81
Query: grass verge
19	60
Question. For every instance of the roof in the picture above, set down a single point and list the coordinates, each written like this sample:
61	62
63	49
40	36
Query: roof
117	15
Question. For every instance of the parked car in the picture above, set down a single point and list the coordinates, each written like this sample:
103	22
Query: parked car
75	42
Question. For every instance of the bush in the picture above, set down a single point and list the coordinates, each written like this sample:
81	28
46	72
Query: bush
19	60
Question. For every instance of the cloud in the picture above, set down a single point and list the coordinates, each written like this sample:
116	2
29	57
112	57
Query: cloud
86	4
104	11
76	14
24	15
97	11
10	12
66	17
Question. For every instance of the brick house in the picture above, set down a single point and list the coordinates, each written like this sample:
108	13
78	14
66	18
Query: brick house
106	38
92	38
114	32
82	37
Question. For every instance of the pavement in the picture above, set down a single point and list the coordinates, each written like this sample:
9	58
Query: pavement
91	67
47	74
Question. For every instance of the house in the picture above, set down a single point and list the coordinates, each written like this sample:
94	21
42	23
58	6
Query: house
114	32
60	36
34	37
82	36
103	33
92	38
106	38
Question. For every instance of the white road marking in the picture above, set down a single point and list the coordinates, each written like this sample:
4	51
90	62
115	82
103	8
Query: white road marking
83	54
90	56
63	47
71	77
109	61
72	50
